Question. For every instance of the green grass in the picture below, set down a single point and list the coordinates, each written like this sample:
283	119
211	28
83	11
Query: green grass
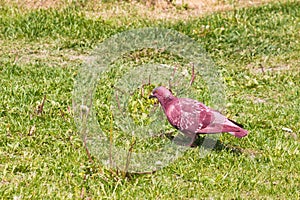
42	156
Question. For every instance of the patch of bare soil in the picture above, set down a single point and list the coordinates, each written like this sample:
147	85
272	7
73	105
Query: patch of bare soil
193	8
35	4
275	64
42	53
154	9
163	9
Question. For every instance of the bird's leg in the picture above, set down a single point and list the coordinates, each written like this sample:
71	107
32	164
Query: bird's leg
193	139
193	75
187	141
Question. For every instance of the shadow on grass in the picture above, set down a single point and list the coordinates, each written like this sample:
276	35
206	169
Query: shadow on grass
209	142
219	146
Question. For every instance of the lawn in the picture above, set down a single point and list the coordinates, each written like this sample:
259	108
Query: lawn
256	49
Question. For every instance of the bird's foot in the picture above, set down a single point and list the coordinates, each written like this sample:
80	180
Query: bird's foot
185	142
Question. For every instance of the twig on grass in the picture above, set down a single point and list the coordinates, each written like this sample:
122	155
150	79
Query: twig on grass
41	106
193	75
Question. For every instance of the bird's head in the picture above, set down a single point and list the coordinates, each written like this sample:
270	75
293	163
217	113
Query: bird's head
161	93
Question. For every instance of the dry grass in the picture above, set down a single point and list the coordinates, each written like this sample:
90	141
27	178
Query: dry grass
154	9
157	9
42	52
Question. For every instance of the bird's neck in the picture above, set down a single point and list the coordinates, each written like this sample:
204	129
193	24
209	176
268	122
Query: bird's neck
166	101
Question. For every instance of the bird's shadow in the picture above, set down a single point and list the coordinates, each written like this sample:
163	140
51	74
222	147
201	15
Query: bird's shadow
202	141
218	146
213	144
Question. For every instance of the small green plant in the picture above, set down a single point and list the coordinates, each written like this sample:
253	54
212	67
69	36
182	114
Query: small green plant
140	106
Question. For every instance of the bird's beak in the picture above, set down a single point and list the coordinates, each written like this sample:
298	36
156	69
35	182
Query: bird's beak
152	96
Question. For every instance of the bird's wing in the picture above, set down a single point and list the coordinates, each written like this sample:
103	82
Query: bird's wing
220	124
194	115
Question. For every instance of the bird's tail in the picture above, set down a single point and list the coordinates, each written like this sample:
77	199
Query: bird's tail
222	125
241	133
234	129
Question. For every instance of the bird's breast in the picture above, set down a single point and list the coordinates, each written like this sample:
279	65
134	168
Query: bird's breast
173	115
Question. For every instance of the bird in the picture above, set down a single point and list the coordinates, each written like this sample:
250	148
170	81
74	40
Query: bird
193	118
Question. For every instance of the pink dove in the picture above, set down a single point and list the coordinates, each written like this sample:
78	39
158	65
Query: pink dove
193	118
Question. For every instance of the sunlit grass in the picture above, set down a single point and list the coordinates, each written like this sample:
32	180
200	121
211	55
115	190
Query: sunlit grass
42	156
